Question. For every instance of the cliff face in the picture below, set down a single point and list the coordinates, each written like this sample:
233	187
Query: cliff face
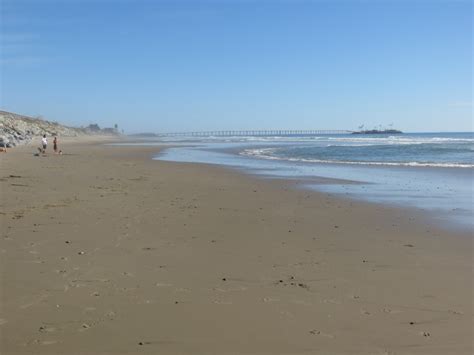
17	129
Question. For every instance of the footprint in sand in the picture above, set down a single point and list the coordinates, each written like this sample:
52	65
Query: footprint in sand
268	299
221	302
111	315
301	302
49	342
159	284
46	329
390	311
365	312
41	342
84	327
320	333
182	289
232	289
331	301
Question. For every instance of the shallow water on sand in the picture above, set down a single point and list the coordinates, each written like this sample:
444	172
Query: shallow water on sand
431	172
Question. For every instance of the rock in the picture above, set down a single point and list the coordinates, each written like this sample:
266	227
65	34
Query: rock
17	129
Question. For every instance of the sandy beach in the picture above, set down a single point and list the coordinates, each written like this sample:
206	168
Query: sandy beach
105	251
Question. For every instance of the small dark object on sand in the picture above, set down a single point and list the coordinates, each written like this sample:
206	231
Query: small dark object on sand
224	279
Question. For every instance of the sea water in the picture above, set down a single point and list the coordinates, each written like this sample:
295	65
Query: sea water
427	171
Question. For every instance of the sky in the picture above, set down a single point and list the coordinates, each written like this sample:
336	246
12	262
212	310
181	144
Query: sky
183	65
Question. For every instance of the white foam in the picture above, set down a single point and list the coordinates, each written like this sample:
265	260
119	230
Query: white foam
265	153
348	140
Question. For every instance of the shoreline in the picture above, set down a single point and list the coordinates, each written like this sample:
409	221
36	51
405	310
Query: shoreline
360	184
185	258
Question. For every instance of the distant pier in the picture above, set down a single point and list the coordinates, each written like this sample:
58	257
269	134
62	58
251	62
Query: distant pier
254	133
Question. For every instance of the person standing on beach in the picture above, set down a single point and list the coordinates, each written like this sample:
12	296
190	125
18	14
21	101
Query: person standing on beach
55	144
44	142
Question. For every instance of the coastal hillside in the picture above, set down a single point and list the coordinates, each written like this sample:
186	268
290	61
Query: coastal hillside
17	129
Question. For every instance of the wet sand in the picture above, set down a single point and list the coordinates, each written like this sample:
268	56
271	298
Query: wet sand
104	251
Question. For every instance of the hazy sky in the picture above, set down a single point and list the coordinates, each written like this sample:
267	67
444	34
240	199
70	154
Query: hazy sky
198	65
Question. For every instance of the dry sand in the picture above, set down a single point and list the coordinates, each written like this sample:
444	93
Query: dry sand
104	251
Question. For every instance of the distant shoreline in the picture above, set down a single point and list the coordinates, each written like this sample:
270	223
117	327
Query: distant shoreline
418	185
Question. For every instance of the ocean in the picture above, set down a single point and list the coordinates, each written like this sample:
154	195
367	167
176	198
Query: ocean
450	150
432	172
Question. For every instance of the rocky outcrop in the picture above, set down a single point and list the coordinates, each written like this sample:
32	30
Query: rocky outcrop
17	129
